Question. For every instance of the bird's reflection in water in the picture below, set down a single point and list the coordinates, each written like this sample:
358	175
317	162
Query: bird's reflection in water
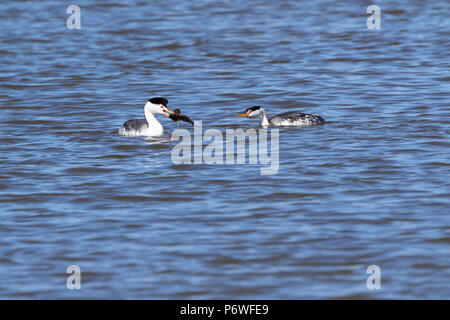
157	151
159	140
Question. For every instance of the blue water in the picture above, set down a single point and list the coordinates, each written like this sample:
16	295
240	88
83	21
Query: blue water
370	187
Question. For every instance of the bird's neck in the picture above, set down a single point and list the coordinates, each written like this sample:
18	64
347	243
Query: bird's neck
263	122
151	120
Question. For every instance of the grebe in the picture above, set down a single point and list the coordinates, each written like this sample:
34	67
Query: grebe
177	116
148	126
291	118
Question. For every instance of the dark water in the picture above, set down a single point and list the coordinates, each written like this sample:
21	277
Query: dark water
369	187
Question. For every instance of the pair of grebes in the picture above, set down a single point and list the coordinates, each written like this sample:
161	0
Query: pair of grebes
151	127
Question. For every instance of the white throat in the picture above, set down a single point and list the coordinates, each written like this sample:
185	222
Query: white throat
154	127
263	122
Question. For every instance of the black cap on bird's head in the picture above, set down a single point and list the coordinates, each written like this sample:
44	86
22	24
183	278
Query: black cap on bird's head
250	112
159	100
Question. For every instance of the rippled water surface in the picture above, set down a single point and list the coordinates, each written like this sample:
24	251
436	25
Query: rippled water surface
371	187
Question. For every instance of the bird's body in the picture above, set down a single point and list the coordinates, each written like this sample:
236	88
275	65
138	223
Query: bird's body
140	127
148	126
291	118
295	118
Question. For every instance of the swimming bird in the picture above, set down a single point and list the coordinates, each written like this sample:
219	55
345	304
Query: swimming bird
148	126
177	116
291	118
